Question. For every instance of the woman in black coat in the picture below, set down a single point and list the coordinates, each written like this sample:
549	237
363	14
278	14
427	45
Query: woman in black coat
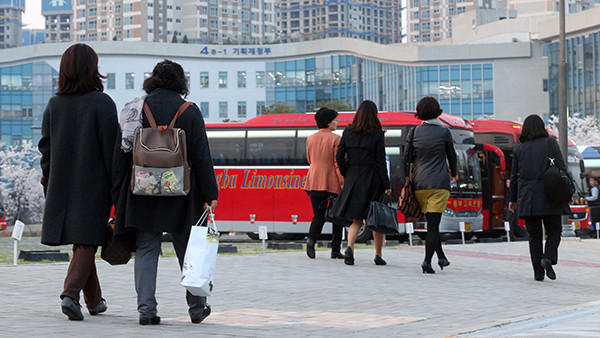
532	156
79	129
361	160
434	160
141	220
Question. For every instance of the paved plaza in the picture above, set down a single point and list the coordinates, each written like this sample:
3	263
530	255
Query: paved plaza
487	291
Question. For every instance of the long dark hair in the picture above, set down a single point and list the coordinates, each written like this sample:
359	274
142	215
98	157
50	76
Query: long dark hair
365	120
78	73
533	128
167	75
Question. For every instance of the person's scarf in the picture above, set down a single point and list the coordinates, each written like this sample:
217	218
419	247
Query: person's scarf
130	120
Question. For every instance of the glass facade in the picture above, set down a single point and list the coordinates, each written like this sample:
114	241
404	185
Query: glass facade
466	90
301	84
583	75
24	92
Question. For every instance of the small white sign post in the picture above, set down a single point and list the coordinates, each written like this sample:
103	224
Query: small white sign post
597	230
462	231
409	230
262	235
507	228
16	236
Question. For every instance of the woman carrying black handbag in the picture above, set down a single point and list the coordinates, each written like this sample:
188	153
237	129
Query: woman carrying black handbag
361	160
532	156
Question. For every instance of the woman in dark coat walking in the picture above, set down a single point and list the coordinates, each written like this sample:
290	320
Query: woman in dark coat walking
361	160
141	220
79	129
433	145
531	157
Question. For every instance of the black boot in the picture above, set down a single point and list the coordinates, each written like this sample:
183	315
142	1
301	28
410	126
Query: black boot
310	248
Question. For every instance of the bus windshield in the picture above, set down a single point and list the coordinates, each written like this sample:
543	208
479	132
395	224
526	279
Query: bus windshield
468	180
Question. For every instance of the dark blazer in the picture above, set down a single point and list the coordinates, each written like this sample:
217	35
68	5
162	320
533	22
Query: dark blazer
78	137
530	161
361	160
166	214
433	144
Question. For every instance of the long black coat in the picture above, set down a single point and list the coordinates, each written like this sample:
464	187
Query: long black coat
529	163
78	136
361	160
166	214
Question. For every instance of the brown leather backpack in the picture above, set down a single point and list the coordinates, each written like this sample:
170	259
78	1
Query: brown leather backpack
160	166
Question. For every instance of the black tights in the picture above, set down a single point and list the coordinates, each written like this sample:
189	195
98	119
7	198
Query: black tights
433	242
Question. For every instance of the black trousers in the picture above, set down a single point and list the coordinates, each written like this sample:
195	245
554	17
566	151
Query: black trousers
553	227
318	199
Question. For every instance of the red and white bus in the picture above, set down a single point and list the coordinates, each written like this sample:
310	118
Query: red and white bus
261	170
505	135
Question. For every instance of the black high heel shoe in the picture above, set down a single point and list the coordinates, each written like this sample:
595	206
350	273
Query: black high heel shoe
349	256
427	267
442	262
379	261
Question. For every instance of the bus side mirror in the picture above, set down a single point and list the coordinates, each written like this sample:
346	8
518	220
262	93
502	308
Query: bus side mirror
581	166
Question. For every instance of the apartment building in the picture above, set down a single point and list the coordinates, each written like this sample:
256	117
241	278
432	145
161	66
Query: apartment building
11	12
527	8
431	20
58	17
229	21
376	21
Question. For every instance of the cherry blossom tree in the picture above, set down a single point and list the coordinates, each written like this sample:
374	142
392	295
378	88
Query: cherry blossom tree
583	130
20	188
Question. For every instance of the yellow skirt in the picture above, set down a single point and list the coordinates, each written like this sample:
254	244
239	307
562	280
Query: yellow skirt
432	200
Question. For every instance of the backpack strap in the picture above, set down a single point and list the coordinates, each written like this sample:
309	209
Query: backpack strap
149	116
180	111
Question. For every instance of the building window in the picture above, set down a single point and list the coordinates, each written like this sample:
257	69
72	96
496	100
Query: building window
110	81
223	80
118	9
129	80
92	12
260	79
242	109
222	110
204	109
260	106
241	80
203	79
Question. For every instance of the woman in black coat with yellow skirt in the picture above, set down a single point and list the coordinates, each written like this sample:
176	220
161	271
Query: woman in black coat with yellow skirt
361	160
141	220
532	156
79	129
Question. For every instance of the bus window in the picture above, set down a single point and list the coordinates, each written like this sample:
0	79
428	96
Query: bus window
301	146
271	147
226	147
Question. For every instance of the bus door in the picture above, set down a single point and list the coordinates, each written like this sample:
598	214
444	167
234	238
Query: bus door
493	171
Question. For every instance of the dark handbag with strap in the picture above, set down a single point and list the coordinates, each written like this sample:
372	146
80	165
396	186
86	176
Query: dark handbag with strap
330	212
382	217
408	204
112	251
558	185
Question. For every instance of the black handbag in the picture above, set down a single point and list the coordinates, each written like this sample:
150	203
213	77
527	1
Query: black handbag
114	252
330	212
382	217
558	185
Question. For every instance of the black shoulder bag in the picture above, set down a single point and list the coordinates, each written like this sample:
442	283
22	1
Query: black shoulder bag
558	185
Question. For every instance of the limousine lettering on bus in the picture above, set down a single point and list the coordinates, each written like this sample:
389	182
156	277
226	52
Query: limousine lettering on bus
252	179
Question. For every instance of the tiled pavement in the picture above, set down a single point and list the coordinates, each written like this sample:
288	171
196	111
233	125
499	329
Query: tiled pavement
488	291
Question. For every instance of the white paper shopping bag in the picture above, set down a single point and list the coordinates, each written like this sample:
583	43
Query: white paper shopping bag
201	257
